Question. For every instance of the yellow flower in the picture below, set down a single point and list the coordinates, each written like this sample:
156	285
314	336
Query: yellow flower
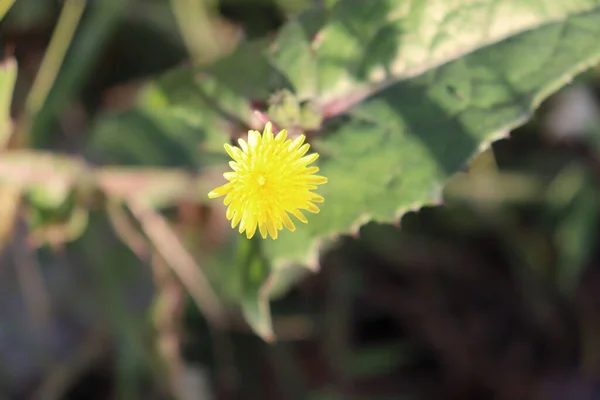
270	179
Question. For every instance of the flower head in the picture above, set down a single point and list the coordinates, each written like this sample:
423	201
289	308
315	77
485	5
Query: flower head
270	179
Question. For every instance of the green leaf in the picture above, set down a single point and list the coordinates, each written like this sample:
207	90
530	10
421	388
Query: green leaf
292	54
160	132
394	151
249	72
574	193
255	297
240	275
368	44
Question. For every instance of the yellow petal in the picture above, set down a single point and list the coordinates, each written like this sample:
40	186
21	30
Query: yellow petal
304	161
310	207
230	175
268	132
250	221
272	230
236	219
302	150
234	166
253	139
220	191
233	152
298	214
281	136
316	198
315	179
250	230
263	230
243	145
295	145
288	222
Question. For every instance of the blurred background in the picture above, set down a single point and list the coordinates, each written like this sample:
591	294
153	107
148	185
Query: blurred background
493	294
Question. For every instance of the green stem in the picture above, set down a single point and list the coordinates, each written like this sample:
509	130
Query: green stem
5	5
55	55
85	50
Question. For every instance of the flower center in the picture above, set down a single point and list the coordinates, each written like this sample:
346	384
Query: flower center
261	180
